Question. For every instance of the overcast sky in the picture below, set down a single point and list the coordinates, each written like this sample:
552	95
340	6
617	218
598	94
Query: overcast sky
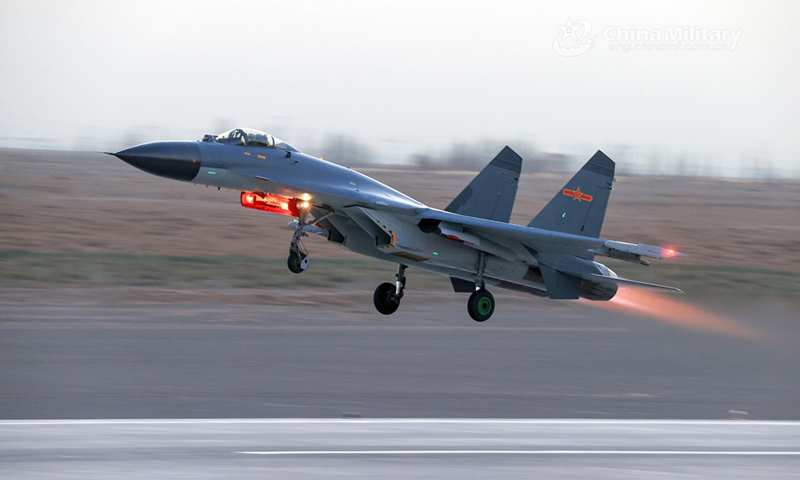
408	77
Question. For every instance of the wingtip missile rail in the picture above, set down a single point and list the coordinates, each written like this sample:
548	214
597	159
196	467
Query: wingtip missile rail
631	252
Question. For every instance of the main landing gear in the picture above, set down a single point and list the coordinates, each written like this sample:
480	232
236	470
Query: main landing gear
387	296
481	303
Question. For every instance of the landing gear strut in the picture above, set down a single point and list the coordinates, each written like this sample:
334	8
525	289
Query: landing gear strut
387	296
481	303
298	257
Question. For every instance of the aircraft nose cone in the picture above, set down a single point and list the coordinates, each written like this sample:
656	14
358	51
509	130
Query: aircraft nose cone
175	160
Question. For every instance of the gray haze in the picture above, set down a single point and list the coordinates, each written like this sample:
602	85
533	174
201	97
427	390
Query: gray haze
404	79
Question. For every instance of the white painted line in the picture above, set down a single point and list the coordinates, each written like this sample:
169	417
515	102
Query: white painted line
394	421
524	452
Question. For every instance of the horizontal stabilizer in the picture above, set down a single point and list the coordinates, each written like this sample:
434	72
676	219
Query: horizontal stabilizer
624	282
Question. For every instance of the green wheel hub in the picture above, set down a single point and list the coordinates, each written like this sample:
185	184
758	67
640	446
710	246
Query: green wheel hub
484	306
480	305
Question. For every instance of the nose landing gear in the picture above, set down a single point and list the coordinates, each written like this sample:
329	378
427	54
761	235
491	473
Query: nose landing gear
298	256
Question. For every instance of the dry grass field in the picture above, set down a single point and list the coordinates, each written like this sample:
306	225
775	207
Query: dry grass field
87	219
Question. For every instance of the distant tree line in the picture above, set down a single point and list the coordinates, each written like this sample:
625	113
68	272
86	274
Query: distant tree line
349	151
631	160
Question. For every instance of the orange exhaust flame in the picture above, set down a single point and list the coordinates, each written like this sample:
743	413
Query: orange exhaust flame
661	307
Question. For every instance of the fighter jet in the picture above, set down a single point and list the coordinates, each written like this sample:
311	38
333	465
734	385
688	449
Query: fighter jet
470	240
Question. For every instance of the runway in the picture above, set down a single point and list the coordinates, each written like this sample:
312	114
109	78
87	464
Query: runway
315	385
128	353
398	448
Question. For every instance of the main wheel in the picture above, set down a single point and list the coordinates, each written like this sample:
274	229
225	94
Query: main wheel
480	305
385	299
296	263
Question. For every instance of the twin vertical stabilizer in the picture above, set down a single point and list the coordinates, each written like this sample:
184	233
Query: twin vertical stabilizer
579	207
491	193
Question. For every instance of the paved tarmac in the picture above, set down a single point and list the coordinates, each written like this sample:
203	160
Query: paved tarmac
128	353
410	448
338	390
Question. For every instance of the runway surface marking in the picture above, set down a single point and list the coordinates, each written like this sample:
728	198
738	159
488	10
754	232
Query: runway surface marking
525	452
79	322
465	421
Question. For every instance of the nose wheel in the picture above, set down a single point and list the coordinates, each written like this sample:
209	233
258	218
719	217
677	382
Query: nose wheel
297	261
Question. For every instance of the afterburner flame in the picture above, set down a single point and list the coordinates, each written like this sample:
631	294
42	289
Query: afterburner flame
666	309
273	203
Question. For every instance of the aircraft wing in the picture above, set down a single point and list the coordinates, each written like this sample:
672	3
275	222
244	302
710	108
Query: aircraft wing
555	252
538	240
471	230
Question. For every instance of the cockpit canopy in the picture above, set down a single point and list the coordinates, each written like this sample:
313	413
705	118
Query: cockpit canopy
251	138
